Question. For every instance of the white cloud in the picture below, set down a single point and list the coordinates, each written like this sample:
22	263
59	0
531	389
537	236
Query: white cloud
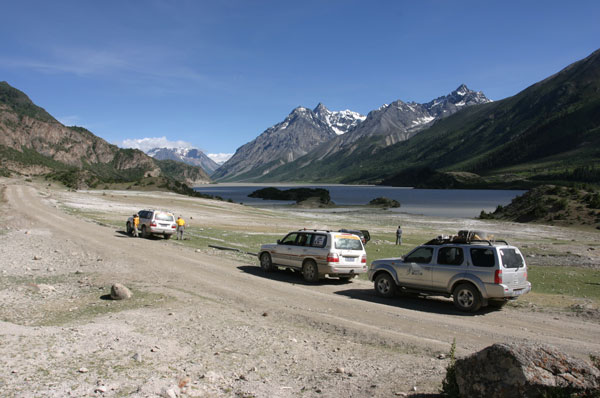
220	158
145	144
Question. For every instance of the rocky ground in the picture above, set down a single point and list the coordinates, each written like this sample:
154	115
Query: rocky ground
206	323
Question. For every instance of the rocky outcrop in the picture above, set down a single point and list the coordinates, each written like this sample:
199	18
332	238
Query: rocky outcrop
524	370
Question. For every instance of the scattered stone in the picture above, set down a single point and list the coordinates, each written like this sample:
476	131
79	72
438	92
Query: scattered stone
119	292
101	389
198	251
50	269
43	288
400	394
170	392
184	381
155	348
441	356
37	258
534	370
242	377
339	370
137	357
27	233
83	370
265	314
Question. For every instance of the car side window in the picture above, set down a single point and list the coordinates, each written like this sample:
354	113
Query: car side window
142	214
318	241
421	255
450	256
302	239
483	257
289	240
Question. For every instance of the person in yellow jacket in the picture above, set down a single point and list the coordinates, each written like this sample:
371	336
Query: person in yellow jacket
136	222
180	227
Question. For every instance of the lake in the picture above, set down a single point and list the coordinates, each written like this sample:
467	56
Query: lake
461	203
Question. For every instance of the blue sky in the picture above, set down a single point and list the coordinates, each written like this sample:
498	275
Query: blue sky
217	74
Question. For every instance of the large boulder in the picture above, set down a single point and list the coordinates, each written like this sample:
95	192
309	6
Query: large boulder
119	292
524	370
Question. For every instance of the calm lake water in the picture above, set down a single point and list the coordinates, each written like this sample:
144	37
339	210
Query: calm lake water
429	202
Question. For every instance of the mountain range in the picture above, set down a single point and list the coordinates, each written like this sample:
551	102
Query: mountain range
307	135
32	142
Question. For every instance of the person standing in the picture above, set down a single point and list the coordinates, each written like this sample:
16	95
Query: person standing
180	227
399	235
136	222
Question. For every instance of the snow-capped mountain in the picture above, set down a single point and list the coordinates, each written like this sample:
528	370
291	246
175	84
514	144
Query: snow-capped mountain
340	121
191	156
300	132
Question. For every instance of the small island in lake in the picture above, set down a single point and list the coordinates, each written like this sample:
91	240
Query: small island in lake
384	202
298	195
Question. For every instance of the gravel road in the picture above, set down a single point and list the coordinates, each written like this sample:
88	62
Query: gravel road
211	324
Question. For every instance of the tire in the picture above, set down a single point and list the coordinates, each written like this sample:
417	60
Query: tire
266	264
144	232
129	229
385	286
310	272
466	298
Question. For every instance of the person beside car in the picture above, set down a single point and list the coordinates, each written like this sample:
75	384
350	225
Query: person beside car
399	236
180	227
136	222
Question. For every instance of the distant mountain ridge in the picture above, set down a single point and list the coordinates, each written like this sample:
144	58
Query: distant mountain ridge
34	142
264	158
192	156
301	131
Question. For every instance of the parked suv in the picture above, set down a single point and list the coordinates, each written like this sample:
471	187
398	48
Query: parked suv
154	222
316	254
475	272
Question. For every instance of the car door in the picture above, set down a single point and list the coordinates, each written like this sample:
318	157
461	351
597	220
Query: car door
299	250
415	269
450	261
284	251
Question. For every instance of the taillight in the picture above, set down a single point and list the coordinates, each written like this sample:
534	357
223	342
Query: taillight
333	258
173	226
498	277
363	259
525	275
153	224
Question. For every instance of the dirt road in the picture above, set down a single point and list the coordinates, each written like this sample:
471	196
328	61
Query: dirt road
216	325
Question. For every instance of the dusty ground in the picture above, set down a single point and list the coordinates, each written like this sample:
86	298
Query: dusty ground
205	323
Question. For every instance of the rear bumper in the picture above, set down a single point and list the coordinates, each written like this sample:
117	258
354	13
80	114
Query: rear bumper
162	231
340	270
506	292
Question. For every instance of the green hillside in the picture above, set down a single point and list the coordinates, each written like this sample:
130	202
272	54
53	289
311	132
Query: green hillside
545	134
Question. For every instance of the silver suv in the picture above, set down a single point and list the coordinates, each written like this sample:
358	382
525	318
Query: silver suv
316	254
475	272
154	222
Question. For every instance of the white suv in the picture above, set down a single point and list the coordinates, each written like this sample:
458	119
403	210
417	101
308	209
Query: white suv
154	222
316	254
475	272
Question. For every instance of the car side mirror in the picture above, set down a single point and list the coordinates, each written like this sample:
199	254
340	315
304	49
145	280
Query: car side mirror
278	241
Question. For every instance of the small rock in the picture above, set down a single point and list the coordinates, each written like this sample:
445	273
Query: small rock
137	357
170	392
37	258
242	377
119	292
198	251
401	394
441	356
265	314
83	370
100	389
339	370
50	269
27	233
155	348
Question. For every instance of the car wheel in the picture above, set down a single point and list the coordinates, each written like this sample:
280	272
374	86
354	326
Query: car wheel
144	232
310	272
466	298
265	262
385	285
129	229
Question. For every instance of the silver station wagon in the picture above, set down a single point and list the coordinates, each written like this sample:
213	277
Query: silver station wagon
476	272
317	254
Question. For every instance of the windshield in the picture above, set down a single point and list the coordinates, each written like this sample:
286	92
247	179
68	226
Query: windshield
164	217
348	242
511	258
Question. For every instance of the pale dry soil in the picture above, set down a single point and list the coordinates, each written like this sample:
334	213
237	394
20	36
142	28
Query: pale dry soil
207	323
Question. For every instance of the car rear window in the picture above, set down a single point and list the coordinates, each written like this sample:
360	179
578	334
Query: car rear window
511	258
348	242
164	217
483	257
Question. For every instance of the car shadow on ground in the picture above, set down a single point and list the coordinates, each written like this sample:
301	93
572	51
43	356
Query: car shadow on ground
432	304
123	234
287	275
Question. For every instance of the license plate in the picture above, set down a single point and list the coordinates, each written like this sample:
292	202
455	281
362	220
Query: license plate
350	259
